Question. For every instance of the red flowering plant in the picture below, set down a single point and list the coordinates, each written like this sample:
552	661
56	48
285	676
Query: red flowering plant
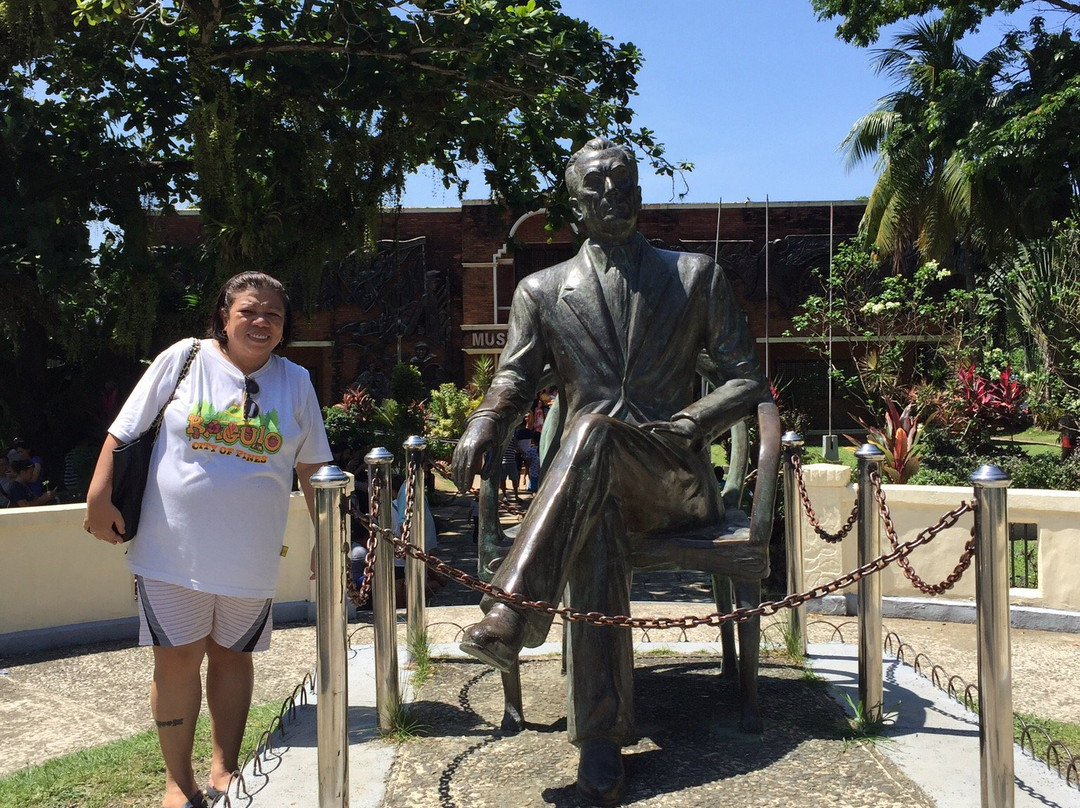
899	439
995	403
350	422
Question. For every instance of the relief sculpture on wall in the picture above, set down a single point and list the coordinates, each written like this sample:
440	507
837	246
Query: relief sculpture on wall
402	313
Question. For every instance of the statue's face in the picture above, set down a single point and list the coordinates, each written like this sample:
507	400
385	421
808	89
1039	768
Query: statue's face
607	198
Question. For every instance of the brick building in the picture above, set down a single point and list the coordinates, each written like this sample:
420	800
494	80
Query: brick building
437	290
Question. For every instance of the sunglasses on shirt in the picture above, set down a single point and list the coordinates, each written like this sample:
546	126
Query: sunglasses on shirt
251	408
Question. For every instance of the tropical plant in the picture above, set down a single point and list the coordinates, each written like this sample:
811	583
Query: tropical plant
349	423
482	374
900	329
988	144
358	423
920	203
899	440
996	402
1043	284
448	408
861	21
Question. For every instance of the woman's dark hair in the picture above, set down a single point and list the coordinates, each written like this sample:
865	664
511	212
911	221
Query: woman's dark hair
241	283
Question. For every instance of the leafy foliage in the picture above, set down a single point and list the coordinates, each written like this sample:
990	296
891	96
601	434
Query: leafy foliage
882	313
358	423
898	439
996	402
948	462
862	20
448	407
290	123
350	423
921	202
974	152
1042	284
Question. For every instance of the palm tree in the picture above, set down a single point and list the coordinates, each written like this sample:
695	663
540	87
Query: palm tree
921	202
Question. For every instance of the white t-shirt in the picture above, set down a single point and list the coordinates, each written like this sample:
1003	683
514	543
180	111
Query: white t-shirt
217	497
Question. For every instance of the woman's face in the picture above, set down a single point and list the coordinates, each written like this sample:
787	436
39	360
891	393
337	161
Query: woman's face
254	325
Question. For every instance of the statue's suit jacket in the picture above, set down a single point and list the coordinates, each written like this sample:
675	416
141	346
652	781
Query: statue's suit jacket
636	371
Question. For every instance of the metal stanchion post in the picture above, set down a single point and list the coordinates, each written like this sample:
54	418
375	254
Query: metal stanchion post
869	527
415	569
387	689
792	443
332	681
992	630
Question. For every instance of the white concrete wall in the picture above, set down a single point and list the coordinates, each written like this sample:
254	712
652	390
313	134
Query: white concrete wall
53	573
915	507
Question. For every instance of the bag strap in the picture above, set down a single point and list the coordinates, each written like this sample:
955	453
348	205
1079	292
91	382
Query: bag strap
156	425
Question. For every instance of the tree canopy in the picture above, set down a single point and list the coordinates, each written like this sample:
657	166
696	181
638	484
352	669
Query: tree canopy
289	123
861	21
974	150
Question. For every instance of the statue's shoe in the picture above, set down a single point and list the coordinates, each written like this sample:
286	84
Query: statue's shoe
497	639
601	779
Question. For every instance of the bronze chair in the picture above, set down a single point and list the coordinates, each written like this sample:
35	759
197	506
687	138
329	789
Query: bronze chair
735	553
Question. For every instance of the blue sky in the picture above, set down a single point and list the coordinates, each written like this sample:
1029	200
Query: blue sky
758	94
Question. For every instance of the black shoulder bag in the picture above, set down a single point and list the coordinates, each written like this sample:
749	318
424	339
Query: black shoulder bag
131	462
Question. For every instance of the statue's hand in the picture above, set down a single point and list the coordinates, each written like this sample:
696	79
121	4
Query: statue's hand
480	438
682	428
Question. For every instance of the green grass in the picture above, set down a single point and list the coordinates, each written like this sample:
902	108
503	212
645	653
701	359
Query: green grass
1034	441
404	725
420	658
128	773
812	454
1068	734
1033	434
868	725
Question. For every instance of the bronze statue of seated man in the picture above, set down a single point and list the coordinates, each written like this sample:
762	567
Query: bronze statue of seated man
621	326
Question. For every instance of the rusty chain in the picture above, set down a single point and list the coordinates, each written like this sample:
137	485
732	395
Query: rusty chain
946	521
403	548
715	619
360	597
811	517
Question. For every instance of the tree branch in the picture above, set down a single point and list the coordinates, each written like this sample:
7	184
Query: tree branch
248	51
1064	5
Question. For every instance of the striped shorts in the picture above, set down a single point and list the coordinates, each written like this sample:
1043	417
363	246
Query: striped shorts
171	615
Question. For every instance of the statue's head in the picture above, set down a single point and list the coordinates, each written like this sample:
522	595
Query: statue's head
602	178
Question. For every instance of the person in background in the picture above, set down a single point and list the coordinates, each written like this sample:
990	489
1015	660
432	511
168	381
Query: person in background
20	493
20	450
509	471
1070	432
7	477
213	517
532	464
522	440
78	469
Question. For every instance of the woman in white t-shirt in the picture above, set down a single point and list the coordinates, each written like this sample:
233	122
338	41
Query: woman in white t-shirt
213	516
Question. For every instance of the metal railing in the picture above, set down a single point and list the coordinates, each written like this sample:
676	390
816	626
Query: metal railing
331	681
989	546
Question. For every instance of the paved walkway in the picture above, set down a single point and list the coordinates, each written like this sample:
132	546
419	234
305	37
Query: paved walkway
55	703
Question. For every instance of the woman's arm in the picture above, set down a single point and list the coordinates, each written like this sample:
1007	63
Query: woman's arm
102	518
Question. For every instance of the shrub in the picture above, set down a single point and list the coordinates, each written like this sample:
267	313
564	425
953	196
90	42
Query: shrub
349	424
946	464
406	383
996	402
898	439
448	407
